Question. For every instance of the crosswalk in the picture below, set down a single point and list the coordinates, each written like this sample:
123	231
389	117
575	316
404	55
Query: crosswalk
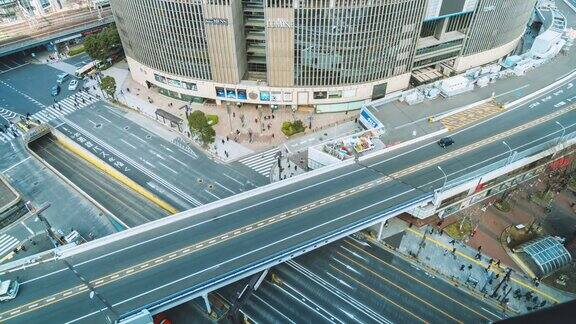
65	107
262	162
7	244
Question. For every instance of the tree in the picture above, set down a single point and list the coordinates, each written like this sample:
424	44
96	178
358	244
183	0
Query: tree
198	123
108	84
197	120
208	135
104	44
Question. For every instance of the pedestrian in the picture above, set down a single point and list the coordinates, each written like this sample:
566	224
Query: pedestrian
454	251
233	114
469	267
272	135
222	141
498	263
445	252
256	120
227	139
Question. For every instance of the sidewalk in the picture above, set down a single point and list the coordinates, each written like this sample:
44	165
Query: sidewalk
484	277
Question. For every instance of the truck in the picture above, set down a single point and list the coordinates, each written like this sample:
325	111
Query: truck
8	289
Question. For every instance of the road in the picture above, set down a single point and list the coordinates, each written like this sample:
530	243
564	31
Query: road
221	238
354	281
131	208
182	175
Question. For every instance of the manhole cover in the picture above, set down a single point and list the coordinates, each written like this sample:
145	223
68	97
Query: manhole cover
200	180
148	137
210	186
126	127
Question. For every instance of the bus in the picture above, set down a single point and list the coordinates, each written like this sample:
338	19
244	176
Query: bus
83	71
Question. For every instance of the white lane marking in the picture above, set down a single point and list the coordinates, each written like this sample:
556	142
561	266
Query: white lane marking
27	228
218	183
17	164
233	179
213	195
489	312
507	92
108	120
167	167
138	138
175	159
123	141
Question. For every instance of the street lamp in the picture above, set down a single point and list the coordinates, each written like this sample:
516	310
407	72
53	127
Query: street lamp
563	131
445	177
509	150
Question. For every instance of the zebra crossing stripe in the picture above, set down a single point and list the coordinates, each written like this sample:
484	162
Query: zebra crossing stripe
261	162
7	244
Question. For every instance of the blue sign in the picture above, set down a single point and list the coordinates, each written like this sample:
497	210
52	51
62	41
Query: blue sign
368	119
264	96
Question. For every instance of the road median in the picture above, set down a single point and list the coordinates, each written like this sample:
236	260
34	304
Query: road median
73	147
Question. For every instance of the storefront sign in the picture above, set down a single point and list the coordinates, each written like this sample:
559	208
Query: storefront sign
216	21
279	23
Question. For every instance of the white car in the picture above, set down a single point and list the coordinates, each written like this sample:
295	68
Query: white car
73	85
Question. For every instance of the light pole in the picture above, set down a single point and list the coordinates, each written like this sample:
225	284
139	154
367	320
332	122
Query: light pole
509	150
445	177
563	131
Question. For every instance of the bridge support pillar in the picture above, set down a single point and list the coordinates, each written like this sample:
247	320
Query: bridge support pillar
380	230
207	303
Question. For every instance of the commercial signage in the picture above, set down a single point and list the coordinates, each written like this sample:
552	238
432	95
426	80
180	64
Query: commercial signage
216	21
368	120
279	23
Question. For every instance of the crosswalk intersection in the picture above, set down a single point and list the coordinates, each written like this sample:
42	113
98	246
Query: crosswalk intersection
262	162
64	107
7	244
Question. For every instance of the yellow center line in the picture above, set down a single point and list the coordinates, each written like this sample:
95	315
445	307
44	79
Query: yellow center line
399	287
413	278
481	264
299	210
380	295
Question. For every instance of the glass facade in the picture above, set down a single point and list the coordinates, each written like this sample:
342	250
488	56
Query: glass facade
166	35
547	253
354	42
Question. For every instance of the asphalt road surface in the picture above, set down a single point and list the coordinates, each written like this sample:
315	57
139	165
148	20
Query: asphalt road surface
354	281
128	206
187	178
217	242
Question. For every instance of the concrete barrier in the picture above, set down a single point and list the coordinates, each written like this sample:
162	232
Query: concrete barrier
14	201
74	186
111	171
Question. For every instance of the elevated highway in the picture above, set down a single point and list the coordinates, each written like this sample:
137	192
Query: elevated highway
22	36
166	262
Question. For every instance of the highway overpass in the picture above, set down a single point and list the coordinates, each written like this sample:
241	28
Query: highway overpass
59	26
166	262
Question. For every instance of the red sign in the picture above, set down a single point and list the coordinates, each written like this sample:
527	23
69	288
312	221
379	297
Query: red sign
560	163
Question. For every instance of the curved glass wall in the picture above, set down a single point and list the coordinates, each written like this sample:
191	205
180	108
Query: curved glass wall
167	35
354	42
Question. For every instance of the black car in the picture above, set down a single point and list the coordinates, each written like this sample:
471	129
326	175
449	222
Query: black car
445	142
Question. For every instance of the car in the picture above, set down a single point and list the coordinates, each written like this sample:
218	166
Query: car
55	90
73	85
62	77
445	142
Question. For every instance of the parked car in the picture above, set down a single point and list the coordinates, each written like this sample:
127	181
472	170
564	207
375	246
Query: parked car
445	142
73	85
55	90
62	77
